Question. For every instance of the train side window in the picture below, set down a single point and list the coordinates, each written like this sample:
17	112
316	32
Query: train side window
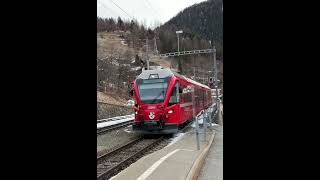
181	89
174	98
187	97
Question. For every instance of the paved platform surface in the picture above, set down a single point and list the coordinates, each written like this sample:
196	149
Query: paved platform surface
175	161
213	166
170	163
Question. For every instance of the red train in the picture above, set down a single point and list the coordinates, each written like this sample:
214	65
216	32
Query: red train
164	101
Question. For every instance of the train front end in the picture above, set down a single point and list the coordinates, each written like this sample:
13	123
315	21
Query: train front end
152	113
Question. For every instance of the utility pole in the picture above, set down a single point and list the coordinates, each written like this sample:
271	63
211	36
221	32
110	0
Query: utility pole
179	60
194	73
184	47
155	46
215	78
195	118
178	32
147	54
178	42
203	80
204	120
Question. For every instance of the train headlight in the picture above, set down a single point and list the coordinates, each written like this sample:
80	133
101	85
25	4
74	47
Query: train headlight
136	112
170	111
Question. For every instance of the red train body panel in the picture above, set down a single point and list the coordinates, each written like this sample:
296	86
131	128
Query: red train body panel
164	101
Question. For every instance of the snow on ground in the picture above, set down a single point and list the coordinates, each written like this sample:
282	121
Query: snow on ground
128	129
200	115
123	42
116	118
193	124
135	68
175	138
110	123
214	124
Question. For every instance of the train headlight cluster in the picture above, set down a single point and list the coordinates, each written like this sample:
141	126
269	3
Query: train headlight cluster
170	111
136	112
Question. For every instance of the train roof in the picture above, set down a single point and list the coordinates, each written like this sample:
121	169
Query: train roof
195	82
163	73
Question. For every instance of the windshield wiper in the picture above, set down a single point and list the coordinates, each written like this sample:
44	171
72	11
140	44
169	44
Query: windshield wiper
156	98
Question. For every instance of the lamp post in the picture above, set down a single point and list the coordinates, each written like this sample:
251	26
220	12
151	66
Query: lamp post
179	61
215	75
178	32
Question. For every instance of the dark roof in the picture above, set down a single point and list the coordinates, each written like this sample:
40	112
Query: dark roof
163	73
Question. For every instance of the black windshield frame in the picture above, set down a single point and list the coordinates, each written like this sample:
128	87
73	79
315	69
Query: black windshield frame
156	89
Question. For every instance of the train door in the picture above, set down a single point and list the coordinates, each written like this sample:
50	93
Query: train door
186	105
175	99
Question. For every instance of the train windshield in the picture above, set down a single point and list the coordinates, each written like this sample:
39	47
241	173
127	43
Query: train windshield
152	91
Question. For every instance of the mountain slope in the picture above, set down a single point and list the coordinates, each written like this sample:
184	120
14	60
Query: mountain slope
202	21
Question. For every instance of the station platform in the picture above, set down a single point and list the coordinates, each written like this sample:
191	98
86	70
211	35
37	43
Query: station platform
212	168
178	161
181	160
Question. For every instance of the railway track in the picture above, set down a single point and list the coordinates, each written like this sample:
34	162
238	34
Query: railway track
113	127
115	118
112	162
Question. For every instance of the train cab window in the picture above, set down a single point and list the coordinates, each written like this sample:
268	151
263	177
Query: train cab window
187	97
180	89
174	97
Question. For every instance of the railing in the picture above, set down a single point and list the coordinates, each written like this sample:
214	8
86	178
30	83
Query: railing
181	53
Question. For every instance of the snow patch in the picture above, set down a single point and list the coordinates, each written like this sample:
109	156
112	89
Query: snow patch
200	115
127	130
123	43
176	138
110	123
214	124
135	68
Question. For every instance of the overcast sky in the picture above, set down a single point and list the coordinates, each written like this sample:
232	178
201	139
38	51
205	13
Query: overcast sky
145	11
